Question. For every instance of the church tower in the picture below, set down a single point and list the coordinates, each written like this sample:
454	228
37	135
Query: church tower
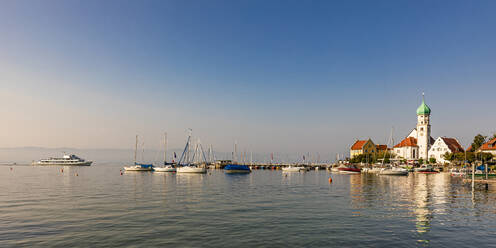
423	129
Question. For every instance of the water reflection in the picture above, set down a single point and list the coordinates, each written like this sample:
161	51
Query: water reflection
422	202
101	207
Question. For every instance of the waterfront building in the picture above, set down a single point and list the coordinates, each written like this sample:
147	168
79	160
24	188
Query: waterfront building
417	144
489	147
444	145
407	149
363	147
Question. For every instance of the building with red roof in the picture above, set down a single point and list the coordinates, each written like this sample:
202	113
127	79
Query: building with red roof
444	145
363	147
489	147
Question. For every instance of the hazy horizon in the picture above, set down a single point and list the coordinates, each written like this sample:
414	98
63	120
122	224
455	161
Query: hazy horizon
286	77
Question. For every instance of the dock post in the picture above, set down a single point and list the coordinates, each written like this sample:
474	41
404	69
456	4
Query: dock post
473	175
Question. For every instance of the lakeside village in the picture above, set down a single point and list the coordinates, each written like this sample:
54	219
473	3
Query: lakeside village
420	150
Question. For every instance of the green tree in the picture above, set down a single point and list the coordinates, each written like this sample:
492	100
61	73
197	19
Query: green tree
479	140
421	161
485	156
459	156
432	160
448	156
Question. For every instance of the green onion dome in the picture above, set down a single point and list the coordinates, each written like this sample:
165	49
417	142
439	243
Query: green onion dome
423	109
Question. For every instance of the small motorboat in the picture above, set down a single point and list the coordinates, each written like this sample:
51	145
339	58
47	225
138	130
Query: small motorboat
349	170
293	168
335	168
237	168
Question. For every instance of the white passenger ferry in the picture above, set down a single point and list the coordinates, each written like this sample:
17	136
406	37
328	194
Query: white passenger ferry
67	160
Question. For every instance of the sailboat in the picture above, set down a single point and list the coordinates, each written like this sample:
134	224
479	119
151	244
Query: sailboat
192	164
392	170
168	167
138	166
235	167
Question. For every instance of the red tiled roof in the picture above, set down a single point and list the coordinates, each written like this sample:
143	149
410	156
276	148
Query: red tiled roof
358	145
469	149
453	144
381	147
490	145
408	141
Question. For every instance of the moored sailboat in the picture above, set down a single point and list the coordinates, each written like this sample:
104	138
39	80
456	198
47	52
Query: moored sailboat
235	167
194	163
138	166
168	167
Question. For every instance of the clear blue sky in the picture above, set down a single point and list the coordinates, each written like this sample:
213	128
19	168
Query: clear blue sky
282	76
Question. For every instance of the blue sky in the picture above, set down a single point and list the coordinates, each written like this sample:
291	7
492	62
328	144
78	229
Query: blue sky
282	76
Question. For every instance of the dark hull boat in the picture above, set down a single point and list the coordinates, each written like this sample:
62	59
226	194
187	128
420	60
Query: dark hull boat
237	168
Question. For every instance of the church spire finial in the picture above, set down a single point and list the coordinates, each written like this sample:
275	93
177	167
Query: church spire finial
423	108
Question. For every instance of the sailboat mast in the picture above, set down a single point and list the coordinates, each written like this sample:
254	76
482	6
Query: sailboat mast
165	148
143	152
251	157
136	150
235	151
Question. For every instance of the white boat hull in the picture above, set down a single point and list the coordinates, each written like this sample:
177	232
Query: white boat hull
164	169
190	169
85	163
137	168
293	169
349	172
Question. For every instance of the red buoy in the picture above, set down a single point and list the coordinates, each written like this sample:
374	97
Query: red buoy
330	180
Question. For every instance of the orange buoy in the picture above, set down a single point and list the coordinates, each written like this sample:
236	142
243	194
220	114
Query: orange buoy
330	180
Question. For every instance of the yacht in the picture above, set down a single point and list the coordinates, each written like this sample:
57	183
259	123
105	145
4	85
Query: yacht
168	167
191	169
138	166
192	163
237	168
66	160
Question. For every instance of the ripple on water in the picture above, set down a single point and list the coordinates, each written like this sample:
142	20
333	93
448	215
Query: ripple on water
41	206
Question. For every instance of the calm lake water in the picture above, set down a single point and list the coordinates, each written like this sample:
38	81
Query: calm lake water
44	207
